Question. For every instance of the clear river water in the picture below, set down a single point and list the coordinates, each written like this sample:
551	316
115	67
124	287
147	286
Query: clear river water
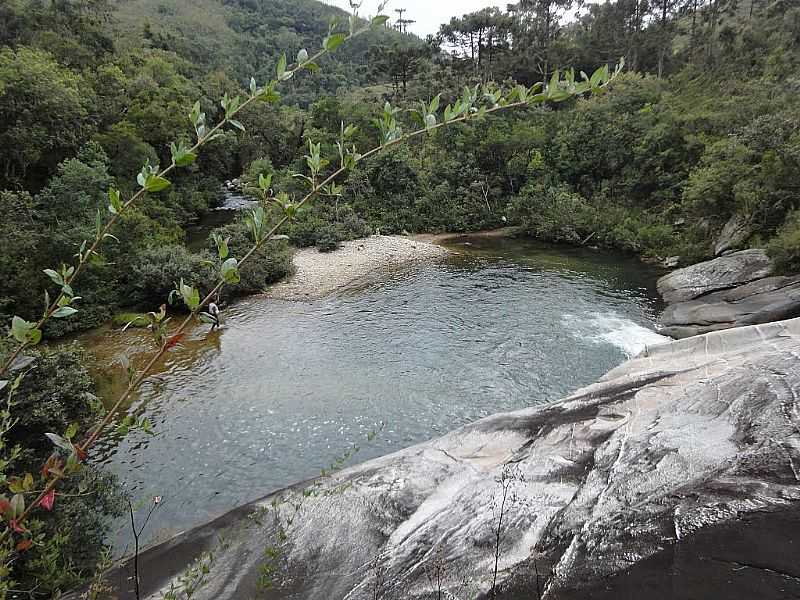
284	388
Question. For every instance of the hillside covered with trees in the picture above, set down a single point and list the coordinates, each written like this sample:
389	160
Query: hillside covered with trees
701	130
699	137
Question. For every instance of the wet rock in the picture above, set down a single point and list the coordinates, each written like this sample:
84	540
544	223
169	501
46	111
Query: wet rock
762	301
672	261
720	273
733	235
658	465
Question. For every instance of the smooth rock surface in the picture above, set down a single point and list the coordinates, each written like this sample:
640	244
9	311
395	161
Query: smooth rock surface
641	483
720	273
733	235
762	301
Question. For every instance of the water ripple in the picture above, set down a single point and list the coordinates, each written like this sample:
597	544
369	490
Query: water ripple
286	387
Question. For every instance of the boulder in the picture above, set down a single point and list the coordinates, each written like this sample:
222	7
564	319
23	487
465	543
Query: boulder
671	262
733	235
762	301
718	274
674	476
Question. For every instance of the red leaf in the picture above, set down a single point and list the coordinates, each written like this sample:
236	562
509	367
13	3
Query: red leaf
5	506
80	452
16	526
173	340
52	466
24	545
48	499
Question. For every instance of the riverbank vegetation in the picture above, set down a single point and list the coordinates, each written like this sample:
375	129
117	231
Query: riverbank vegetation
703	130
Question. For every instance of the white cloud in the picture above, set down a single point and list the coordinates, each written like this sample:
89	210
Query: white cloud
428	14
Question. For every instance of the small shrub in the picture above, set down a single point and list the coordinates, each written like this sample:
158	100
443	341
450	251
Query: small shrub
58	392
327	239
304	230
784	248
157	270
350	226
553	213
271	263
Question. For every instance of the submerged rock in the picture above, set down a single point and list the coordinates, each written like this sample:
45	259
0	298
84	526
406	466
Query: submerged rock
762	301
640	484
721	273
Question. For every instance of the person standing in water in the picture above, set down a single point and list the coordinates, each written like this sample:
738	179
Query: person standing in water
213	311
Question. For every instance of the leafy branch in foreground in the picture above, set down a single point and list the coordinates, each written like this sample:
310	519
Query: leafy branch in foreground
68	455
475	103
151	179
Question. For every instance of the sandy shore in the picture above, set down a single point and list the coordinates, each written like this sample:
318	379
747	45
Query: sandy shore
318	274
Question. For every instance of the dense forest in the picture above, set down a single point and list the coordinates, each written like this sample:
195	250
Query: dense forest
696	150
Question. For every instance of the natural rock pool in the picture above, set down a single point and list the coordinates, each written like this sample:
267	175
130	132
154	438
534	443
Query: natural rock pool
286	387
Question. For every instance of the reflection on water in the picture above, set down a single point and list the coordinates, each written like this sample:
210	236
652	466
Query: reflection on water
284	387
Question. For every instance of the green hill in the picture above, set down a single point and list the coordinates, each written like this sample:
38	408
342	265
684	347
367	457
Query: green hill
244	38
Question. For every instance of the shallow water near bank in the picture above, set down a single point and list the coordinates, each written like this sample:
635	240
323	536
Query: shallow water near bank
286	387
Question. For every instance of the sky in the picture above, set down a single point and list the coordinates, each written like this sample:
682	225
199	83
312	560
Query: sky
428	14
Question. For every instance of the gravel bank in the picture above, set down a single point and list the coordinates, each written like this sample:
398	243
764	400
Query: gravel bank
318	273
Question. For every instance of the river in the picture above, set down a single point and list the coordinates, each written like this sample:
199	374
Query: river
284	388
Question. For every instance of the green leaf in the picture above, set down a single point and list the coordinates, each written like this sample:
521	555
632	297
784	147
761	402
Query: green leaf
269	95
115	201
559	95
379	21
230	271
194	116
63	312
17	505
599	76
553	85
281	69
146	426
181	155
236	124
71	431
54	276
222	246
190	295
333	41
59	441
154	183
35	336
25	332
